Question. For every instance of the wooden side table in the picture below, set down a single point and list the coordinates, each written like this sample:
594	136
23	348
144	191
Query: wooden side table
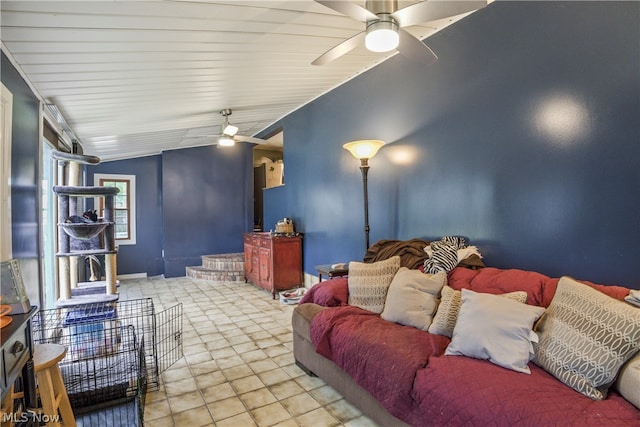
330	271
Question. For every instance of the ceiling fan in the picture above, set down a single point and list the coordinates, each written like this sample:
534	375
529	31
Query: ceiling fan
229	133
384	26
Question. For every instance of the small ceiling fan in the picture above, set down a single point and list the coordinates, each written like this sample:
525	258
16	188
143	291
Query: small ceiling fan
384	26
229	133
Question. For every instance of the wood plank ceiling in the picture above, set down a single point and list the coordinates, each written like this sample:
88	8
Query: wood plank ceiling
134	78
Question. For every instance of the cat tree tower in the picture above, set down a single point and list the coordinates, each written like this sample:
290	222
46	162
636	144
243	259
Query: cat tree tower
78	237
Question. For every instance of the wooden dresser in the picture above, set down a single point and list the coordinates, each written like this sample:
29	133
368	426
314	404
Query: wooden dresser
273	262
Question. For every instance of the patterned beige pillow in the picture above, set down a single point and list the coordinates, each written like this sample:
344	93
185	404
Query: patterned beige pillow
447	315
585	337
369	282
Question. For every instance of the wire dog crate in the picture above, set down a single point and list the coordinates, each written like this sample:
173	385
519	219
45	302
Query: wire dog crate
115	352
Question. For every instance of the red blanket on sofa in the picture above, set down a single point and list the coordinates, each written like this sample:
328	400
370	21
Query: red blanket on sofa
405	369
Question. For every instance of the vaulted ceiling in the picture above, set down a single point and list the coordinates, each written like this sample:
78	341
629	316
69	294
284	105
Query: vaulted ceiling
134	78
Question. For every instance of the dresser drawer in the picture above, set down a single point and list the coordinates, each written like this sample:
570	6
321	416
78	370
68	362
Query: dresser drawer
14	354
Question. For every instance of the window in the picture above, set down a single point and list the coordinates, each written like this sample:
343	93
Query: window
125	205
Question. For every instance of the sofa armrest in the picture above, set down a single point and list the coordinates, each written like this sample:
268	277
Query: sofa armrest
330	293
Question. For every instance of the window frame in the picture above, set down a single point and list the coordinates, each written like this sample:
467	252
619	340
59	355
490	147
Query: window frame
99	202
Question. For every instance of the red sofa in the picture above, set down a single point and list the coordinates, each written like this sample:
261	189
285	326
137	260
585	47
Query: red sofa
399	375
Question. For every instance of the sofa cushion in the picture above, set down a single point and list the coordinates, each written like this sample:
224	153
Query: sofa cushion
369	282
496	329
586	337
447	314
413	297
381	356
460	391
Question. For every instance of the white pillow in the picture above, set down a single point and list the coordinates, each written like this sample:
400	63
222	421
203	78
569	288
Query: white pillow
447	314
412	298
496	329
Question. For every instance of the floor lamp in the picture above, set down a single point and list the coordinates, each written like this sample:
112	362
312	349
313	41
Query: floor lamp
364	150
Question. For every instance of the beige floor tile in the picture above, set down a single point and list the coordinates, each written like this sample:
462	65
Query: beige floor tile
210	379
162	422
325	395
222	353
245	347
245	385
226	408
258	398
361	422
237	372
218	392
185	401
176	388
273	376
263	365
193	349
204	368
317	417
155	396
343	411
267	342
240	420
253	356
276	350
270	415
197	358
155	410
229	362
309	383
286	389
195	417
300	404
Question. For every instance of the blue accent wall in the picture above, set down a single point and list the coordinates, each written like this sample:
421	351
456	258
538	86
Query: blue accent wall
523	138
146	255
207	203
190	202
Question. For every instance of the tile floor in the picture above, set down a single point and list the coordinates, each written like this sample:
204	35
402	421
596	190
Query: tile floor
238	368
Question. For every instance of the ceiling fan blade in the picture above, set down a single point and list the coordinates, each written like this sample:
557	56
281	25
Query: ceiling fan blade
244	138
414	49
337	51
352	10
427	11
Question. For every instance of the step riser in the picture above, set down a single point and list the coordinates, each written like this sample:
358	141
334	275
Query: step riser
217	276
221	265
219	268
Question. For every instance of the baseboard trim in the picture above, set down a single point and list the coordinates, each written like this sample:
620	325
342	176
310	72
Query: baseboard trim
133	276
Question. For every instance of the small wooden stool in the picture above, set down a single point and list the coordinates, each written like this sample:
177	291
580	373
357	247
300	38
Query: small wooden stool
52	391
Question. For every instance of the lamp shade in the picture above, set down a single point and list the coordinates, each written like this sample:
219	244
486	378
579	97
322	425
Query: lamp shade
363	149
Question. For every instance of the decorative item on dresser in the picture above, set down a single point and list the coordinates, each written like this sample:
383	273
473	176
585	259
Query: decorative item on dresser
273	262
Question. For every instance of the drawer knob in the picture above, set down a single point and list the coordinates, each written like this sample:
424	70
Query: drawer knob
17	347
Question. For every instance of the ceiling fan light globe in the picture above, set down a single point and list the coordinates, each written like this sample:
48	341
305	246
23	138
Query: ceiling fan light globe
226	141
230	130
382	36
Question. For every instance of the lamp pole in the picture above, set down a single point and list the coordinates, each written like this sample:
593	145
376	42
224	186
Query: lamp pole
364	168
363	150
